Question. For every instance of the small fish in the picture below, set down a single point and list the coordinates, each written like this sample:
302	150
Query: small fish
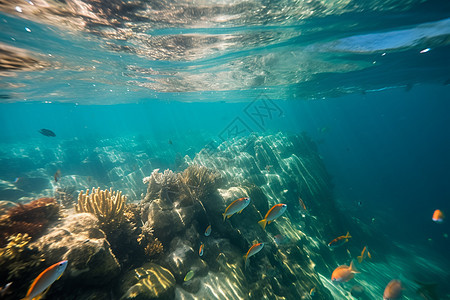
359	203
200	250
5	290
302	204
273	213
365	253
189	275
44	280
170	142
427	291
47	132
252	251
208	230
339	241
17	180
237	206
57	175
312	292
344	273
393	290
357	291
280	239
438	216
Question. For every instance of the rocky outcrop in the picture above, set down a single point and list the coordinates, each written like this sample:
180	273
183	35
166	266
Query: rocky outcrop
78	239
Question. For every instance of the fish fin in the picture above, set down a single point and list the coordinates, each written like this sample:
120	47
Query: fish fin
240	211
348	235
360	259
268	222
368	255
263	223
353	269
224	216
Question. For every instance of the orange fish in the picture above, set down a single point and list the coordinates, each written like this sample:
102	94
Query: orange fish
252	251
200	251
237	206
438	216
43	282
365	253
339	241
393	290
208	230
273	213
302	204
344	273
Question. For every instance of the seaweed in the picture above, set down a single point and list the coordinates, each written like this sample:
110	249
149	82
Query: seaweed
31	218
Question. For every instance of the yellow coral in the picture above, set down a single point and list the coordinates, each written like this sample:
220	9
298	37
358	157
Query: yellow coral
16	244
107	206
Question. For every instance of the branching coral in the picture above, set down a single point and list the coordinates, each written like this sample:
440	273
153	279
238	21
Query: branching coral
200	181
30	218
107	206
161	185
152	246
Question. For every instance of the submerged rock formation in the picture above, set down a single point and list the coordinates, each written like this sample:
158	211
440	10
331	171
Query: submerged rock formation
268	169
78	239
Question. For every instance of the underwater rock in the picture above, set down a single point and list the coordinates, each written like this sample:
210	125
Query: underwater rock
78	239
150	281
182	258
169	207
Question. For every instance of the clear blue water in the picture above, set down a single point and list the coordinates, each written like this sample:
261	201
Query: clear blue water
367	81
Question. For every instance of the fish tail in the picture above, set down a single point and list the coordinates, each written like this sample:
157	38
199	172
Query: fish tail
224	217
263	223
360	259
353	269
347	236
368	255
245	261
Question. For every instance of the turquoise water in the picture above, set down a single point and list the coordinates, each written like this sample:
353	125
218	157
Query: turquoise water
359	90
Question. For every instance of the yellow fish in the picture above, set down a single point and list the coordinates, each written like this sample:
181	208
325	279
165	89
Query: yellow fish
189	275
237	206
44	280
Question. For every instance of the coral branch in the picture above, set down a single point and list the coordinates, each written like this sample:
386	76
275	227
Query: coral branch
107	206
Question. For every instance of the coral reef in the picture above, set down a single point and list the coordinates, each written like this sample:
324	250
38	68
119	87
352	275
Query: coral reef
152	246
179	206
16	258
107	206
31	218
199	181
